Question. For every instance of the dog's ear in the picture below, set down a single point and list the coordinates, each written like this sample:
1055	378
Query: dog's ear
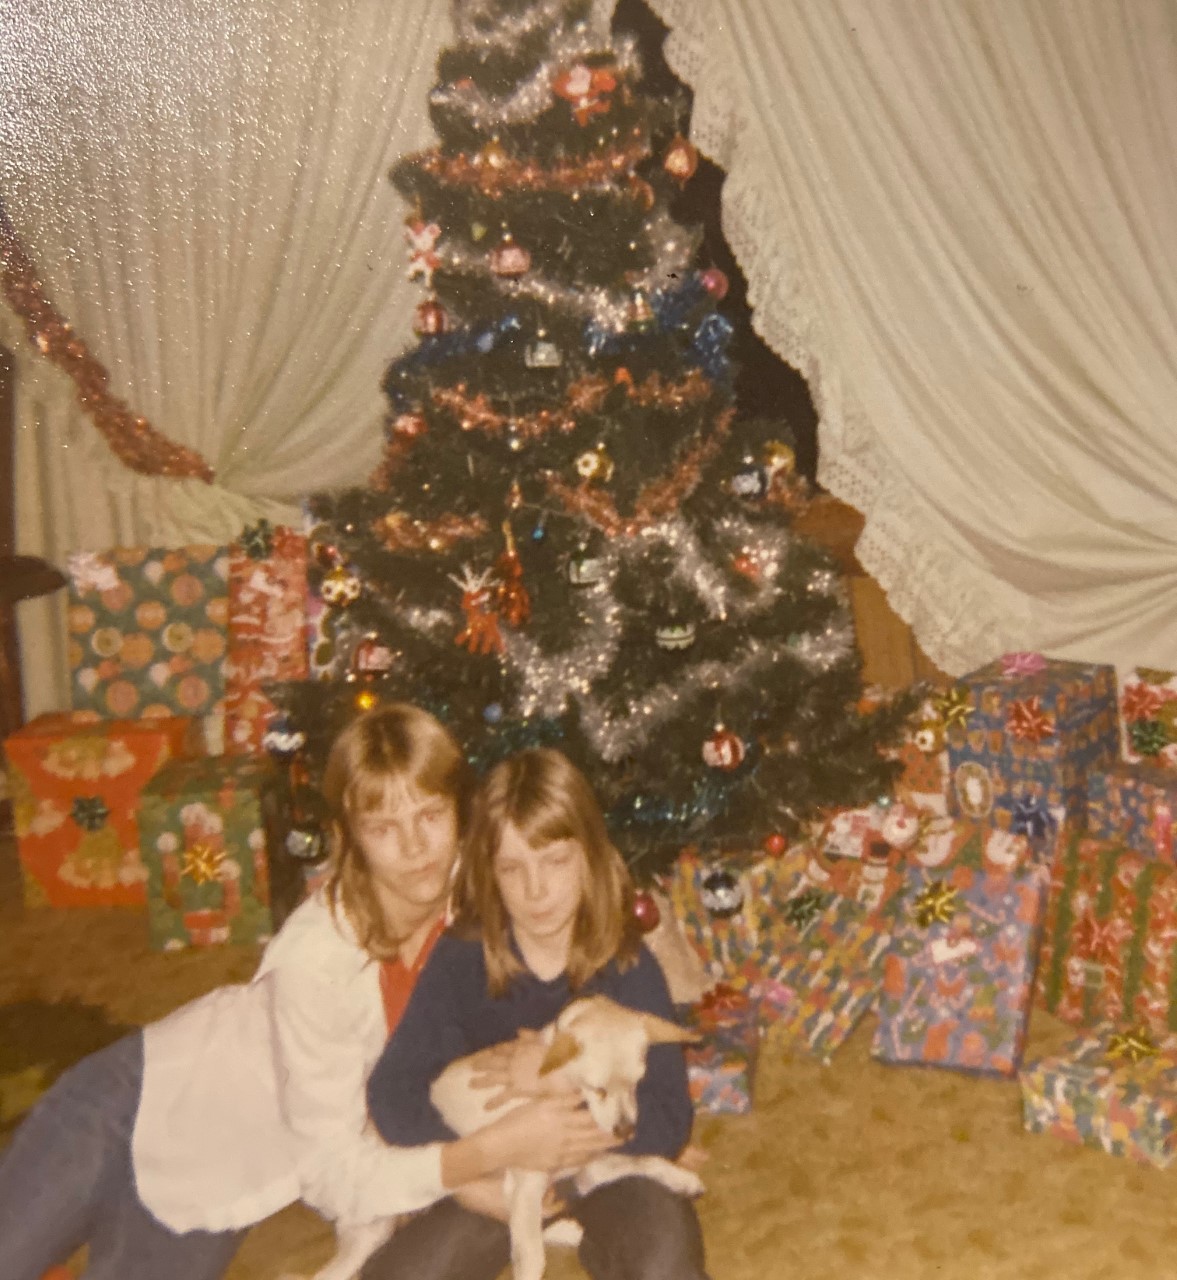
661	1031
562	1050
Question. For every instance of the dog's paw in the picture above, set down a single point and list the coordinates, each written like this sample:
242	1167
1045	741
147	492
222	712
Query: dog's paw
682	1181
564	1231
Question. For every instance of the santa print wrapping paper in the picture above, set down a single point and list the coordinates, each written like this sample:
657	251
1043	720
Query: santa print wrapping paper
1148	717
1134	804
75	783
148	630
1110	941
267	622
959	977
207	830
721	1066
1023	732
1115	1090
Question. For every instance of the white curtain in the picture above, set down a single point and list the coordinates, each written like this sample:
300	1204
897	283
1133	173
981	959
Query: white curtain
958	219
204	186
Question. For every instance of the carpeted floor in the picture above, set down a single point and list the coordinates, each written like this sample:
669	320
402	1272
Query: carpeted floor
852	1169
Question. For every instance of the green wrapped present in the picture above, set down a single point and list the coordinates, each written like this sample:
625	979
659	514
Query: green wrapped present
211	838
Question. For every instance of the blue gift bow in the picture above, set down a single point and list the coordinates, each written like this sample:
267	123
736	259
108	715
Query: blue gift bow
89	812
1032	818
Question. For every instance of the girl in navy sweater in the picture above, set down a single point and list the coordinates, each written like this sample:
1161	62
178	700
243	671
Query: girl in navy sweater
543	913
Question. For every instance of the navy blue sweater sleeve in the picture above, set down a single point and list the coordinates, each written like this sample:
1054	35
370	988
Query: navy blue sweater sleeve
665	1113
430	1036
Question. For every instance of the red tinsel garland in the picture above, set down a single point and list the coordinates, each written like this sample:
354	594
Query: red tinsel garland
134	441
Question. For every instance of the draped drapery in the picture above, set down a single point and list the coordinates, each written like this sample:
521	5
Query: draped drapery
203	186
958	220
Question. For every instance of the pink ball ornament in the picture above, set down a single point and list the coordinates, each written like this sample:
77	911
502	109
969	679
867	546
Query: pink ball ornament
645	911
715	282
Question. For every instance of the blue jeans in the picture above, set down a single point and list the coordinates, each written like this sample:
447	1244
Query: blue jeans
66	1180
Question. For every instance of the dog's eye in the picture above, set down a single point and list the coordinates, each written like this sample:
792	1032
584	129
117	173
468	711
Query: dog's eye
601	1093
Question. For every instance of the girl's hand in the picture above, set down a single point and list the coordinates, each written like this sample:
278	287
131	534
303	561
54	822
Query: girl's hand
548	1134
512	1068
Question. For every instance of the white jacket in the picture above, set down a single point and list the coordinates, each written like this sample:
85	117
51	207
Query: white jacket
254	1096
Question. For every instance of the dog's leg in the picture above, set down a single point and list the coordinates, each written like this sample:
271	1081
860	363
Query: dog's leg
353	1247
610	1168
525	1198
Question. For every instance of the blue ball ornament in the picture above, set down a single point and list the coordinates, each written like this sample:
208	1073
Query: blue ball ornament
492	713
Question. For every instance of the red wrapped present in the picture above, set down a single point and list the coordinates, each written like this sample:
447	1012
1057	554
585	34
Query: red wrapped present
76	783
267	628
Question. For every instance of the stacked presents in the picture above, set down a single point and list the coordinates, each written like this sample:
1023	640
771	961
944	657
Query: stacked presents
1025	856
128	800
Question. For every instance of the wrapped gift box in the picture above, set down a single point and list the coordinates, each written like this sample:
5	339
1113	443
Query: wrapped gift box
959	977
210	832
1115	1090
75	783
1148	717
833	964
148	629
1023	732
721	1066
1109	948
1133	804
267	622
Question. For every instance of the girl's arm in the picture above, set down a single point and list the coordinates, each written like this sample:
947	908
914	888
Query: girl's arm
665	1111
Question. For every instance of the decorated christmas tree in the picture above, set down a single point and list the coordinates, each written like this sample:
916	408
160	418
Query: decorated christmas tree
570	540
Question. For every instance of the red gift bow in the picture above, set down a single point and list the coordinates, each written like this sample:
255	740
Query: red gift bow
721	1003
1140	702
1095	941
1028	721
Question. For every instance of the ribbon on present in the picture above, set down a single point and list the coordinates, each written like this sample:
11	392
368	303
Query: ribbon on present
1148	737
935	904
722	1004
1131	1046
1140	702
1021	664
89	812
1032	818
802	909
202	862
953	706
1028	721
91	571
257	540
1095	942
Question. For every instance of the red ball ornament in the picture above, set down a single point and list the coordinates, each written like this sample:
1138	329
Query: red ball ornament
723	750
431	319
775	844
715	282
409	425
510	259
681	160
645	911
746	566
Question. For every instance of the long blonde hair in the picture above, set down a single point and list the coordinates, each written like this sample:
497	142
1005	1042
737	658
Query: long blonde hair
546	798
389	743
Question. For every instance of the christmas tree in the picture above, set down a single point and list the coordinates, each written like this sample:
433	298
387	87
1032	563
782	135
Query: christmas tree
570	541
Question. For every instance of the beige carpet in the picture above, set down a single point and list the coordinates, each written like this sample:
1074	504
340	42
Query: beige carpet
849	1170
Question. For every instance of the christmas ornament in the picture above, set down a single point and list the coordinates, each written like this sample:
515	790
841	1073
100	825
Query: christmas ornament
645	911
477	231
305	844
408	426
779	459
493	156
542	354
775	844
586	89
681	160
202	862
723	750
431	319
492	713
510	259
340	587
366	700
511	598
423	258
746	566
595	464
639	315
282	740
585	569
935	904
675	635
257	540
751	481
715	282
370	657
481	633
721	893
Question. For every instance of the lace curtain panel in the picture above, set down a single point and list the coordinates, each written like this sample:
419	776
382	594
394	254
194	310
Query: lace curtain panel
204	188
959	221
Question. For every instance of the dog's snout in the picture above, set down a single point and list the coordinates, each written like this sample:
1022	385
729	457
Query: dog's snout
623	1129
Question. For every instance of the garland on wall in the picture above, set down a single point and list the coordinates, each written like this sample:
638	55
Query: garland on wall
134	441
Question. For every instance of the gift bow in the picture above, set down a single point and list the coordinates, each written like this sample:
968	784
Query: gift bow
802	909
936	904
1131	1046
1028	722
90	571
89	812
953	706
257	541
1022	664
203	862
1095	941
1032	818
721	1003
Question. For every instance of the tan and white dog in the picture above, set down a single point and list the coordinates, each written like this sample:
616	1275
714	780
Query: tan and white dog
597	1046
